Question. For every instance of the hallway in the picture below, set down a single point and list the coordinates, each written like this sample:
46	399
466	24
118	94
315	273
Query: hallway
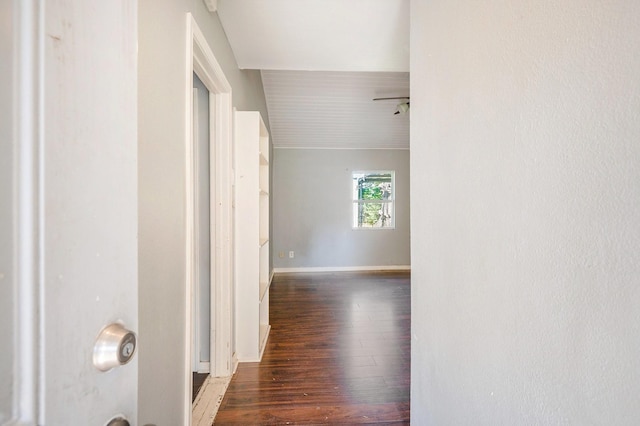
338	352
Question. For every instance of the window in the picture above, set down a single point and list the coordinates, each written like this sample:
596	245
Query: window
373	196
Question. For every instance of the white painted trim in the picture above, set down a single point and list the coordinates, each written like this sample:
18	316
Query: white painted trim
343	269
27	202
262	345
341	148
189	235
224	241
200	59
203	367
364	228
391	201
234	363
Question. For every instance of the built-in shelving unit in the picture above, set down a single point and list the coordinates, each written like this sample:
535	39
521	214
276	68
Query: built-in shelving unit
252	235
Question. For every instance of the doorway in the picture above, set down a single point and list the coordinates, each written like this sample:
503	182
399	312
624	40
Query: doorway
202	302
208	214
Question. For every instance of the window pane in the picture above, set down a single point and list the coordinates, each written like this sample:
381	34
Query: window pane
373	199
372	186
373	215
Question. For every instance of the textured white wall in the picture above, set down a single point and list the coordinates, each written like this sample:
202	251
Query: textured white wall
525	159
161	100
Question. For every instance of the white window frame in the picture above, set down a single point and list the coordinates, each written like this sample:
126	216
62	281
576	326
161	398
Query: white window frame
391	200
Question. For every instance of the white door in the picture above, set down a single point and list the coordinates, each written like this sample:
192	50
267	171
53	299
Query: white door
75	204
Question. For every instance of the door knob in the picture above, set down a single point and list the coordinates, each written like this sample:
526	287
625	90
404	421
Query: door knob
119	421
114	346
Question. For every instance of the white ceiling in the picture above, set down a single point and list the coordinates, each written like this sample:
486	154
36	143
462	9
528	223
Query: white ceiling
324	109
323	62
318	35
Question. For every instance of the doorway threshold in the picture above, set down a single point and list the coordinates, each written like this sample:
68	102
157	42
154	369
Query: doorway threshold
205	407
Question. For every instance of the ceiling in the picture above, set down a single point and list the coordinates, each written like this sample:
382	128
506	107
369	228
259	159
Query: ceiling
322	62
325	109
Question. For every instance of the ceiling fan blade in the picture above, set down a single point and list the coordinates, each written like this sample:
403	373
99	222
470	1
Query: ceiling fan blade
386	99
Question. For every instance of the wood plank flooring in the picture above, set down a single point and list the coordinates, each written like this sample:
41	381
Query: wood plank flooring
338	353
197	380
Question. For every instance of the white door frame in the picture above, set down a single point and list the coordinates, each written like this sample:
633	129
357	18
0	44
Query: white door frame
200	59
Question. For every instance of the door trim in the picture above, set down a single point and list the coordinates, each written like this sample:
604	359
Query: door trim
200	59
25	274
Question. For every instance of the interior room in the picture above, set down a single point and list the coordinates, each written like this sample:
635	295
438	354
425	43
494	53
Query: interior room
445	192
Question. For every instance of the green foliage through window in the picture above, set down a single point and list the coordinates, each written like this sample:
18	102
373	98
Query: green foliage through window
373	199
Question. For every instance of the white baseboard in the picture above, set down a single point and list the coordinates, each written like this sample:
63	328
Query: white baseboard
344	268
234	363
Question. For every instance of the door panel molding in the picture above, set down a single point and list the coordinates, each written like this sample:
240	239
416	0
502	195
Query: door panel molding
21	275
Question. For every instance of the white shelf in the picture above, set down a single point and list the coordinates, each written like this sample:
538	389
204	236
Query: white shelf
264	287
264	335
252	222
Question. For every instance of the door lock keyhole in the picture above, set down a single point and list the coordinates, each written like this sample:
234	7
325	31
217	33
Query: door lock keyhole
114	346
127	349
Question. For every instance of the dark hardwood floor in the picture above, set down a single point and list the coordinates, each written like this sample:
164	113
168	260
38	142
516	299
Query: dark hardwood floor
198	381
338	353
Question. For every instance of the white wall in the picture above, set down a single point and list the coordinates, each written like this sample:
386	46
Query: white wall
312	209
525	160
162	47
